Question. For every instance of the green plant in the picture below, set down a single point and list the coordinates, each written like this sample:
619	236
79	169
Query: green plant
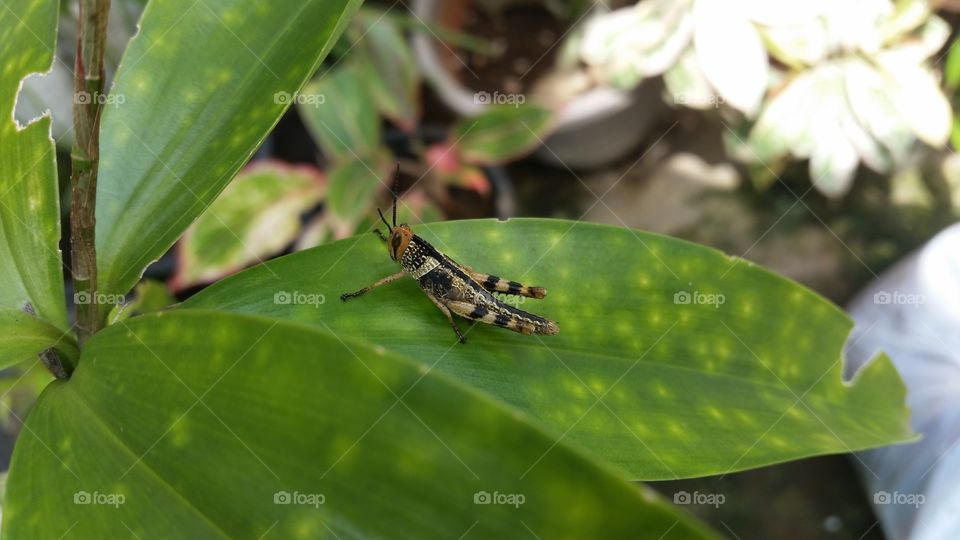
257	407
255	218
373	76
951	75
342	109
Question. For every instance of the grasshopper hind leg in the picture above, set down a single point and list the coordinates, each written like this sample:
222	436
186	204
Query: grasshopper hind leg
493	283
482	314
446	311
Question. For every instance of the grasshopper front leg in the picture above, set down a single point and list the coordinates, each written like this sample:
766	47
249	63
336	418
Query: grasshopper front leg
346	296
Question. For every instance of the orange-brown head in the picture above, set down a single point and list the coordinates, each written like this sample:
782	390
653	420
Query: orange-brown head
399	240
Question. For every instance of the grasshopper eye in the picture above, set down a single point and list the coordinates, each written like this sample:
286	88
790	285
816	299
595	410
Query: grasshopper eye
395	241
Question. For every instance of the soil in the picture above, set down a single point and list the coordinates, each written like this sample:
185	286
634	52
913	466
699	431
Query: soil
525	41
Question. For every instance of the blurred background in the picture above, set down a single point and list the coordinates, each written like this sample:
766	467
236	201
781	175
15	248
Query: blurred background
815	138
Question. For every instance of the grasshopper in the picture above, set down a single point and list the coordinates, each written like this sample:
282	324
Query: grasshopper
453	287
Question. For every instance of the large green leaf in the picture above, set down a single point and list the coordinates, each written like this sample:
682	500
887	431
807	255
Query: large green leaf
650	370
206	425
31	275
19	388
202	85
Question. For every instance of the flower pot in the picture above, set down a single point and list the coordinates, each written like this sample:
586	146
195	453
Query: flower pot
596	127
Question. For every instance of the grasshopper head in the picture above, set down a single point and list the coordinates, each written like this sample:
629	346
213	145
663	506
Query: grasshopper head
399	240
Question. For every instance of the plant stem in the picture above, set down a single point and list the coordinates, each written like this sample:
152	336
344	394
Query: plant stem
87	105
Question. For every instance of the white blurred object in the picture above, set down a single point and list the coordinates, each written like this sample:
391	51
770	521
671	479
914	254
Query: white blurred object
834	83
913	314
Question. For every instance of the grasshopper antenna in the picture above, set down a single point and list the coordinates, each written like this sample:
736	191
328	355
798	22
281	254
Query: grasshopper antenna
384	219
396	186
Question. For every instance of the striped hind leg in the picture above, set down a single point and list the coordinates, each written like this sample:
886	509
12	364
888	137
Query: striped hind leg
482	314
493	283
